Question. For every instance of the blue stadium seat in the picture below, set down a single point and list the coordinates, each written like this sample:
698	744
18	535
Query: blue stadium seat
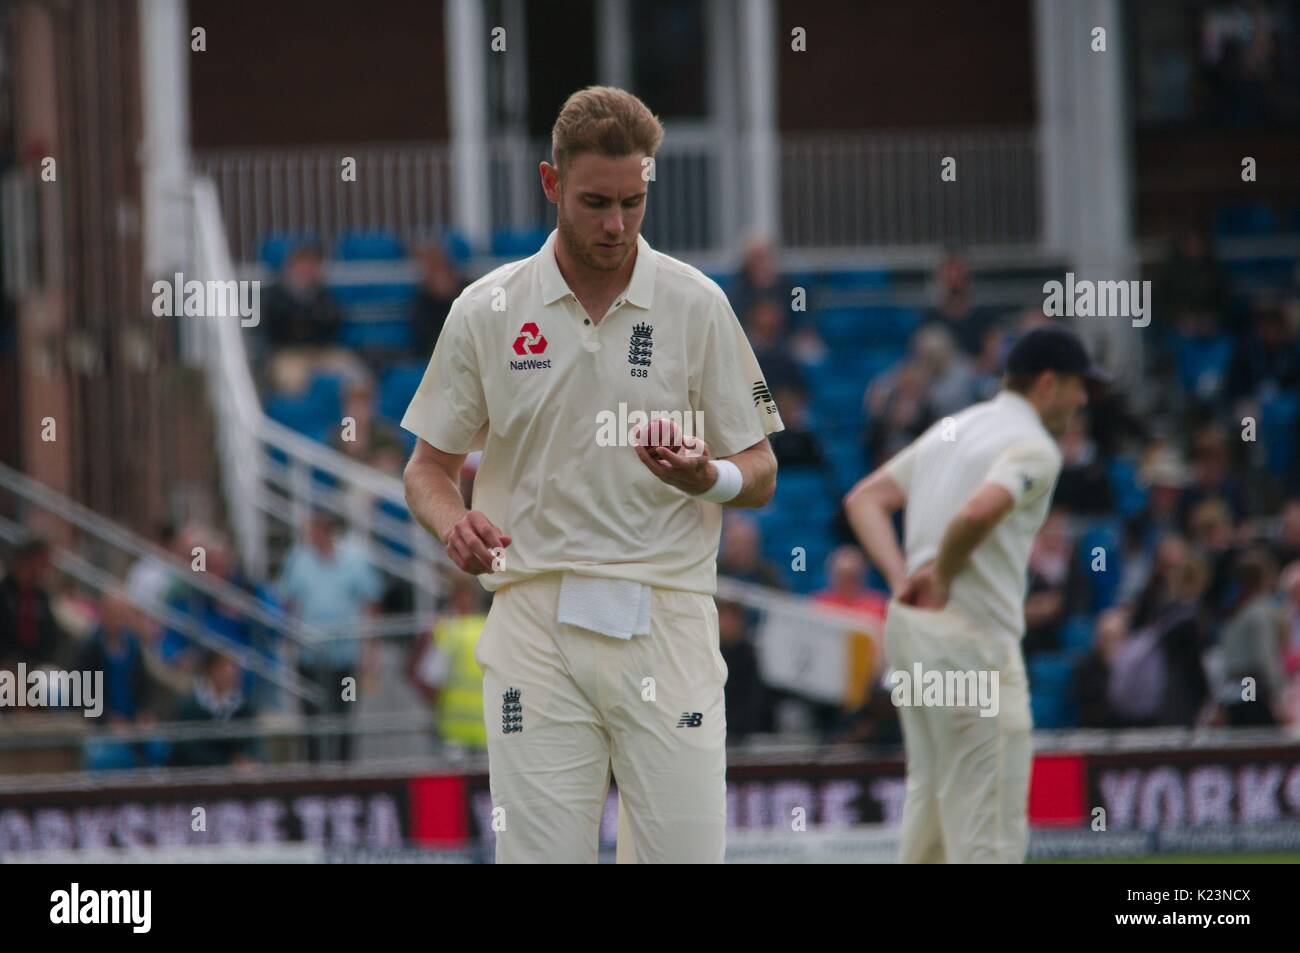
1051	685
891	326
457	246
867	279
1202	364
1276	273
396	388
509	243
1129	495
1277	431
376	335
843	327
276	248
1246	218
370	246
1076	634
1102	585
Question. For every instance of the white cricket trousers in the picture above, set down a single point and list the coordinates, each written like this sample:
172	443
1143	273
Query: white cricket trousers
566	707
967	775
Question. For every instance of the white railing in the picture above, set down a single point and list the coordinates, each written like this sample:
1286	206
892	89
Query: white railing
402	189
838	191
269	470
868	190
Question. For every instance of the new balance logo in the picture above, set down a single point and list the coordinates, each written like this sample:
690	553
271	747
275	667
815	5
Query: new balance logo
761	393
690	719
512	712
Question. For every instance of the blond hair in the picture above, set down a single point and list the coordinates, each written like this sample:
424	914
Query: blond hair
605	120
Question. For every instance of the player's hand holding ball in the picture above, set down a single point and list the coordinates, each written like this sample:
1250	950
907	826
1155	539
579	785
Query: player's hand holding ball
924	589
471	542
679	460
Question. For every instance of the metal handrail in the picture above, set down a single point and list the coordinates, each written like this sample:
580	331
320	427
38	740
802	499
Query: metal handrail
101	581
103	529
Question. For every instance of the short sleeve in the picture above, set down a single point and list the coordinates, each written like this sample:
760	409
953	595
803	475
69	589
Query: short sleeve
1027	470
738	408
449	409
899	467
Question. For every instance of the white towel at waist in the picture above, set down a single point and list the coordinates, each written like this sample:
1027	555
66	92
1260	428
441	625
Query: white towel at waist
614	607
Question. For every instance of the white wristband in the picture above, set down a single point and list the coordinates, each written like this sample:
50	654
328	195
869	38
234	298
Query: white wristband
727	486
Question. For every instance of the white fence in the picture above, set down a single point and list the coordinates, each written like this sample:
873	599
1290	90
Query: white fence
837	191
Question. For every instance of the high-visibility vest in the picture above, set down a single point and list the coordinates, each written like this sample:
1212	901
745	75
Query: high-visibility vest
460	706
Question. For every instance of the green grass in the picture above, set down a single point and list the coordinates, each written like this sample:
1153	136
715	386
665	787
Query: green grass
1264	857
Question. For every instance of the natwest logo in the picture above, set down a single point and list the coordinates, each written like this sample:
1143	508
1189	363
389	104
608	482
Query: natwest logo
530	340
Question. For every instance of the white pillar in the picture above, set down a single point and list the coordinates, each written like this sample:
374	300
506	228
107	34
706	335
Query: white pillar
758	85
724	119
165	104
466	40
613	43
1084	157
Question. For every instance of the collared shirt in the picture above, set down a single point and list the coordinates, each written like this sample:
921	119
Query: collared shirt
1002	440
550	396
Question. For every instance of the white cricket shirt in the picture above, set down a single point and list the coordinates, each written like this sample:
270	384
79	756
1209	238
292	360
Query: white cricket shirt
521	372
1002	440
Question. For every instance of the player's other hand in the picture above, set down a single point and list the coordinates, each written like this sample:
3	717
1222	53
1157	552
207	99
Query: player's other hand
471	542
924	589
678	460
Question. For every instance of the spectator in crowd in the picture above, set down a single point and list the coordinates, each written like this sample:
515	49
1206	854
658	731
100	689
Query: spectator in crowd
150	579
1092	674
1251	643
740	555
114	648
1212	476
954	308
1214	537
1171	553
1192	287
364	436
765	325
217	615
1264	364
447	673
329	583
798	446
897	411
1056	584
301	322
951	382
215	699
1286	548
1289	591
758	280
440	285
1166	478
746	696
29	632
1083	487
1156	677
846	571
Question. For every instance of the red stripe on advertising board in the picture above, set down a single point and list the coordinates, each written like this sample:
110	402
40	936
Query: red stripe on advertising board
1056	791
439	811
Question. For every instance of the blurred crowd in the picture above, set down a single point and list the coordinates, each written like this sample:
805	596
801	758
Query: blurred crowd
1164	588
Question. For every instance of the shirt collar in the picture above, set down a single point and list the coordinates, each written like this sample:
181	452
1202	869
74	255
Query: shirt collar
640	290
1020	405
